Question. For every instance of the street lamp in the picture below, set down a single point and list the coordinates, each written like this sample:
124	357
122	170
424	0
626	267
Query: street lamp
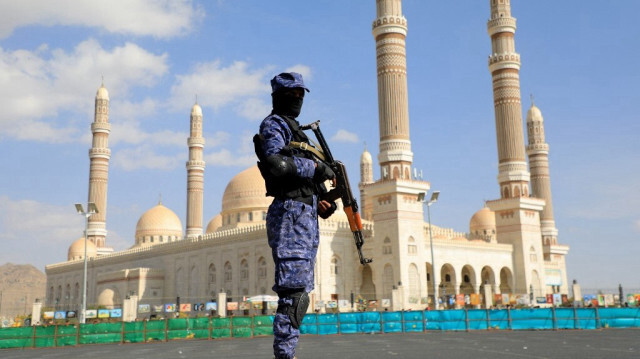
434	199
91	210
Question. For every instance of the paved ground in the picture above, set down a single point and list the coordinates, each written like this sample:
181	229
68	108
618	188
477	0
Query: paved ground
609	344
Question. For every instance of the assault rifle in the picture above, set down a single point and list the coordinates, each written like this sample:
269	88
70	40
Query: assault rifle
342	189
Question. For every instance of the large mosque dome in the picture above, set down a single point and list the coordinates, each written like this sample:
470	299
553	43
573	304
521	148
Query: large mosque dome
483	225
158	225
76	250
244	201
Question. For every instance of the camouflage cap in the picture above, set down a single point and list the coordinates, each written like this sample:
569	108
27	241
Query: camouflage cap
287	80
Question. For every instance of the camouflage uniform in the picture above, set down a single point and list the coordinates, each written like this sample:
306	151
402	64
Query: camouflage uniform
292	231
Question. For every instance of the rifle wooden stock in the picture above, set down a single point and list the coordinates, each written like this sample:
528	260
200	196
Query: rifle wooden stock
342	191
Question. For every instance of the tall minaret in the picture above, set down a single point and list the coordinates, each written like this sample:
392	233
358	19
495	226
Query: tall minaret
195	174
366	177
390	31
99	156
538	151
517	214
393	200
504	64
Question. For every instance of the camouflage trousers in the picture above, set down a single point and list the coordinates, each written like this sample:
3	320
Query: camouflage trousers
292	230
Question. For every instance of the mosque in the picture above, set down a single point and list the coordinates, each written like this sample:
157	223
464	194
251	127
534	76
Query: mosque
511	246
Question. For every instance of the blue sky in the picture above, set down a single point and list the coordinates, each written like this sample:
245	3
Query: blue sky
579	60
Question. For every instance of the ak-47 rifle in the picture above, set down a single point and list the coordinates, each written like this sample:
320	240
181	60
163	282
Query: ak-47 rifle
342	189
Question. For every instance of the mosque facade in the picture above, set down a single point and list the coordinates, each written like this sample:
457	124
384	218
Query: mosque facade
511	246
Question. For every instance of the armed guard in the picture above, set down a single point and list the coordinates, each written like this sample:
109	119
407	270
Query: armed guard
295	179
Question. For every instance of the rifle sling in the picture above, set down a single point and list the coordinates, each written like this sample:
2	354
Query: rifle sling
305	147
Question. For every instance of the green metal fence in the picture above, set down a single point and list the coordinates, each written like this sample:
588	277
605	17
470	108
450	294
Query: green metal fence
320	324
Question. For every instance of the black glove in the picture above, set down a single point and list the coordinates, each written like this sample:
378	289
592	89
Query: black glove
322	173
329	212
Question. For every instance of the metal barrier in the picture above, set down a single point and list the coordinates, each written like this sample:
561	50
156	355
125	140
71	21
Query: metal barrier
321	324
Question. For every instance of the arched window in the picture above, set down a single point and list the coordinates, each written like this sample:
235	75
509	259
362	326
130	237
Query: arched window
386	247
212	279
76	291
50	295
67	293
335	266
262	269
244	270
228	276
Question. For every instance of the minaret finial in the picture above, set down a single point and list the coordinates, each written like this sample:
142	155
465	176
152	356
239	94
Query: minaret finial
531	97
196	99
365	145
102	75
160	198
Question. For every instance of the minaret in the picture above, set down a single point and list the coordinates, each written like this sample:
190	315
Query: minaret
195	174
517	215
538	152
392	202
99	156
504	65
554	253
390	31
366	177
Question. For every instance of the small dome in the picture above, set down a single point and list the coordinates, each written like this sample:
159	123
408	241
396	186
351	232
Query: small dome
366	157
76	250
158	225
196	110
534	114
483	219
214	224
483	225
245	191
102	93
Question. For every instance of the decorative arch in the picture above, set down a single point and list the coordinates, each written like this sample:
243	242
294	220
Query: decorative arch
368	288
244	270
487	276
387	281
414	284
212	280
536	284
335	266
109	298
446	287
228	272
193	282
506	280
467	280
262	269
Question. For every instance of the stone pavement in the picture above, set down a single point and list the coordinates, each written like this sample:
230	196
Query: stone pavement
597	344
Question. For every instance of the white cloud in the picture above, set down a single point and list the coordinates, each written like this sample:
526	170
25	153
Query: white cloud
38	223
144	157
226	158
218	86
35	87
158	18
345	136
254	109
219	138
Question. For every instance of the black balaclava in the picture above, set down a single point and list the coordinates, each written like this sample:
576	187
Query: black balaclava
285	104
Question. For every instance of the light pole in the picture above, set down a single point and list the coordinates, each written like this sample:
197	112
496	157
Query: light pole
91	210
434	199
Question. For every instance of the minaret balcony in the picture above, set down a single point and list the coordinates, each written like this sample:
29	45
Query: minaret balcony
501	24
196	164
103	127
505	60
195	142
99	153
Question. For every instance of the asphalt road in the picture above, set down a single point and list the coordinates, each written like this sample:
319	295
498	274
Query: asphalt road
597	344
